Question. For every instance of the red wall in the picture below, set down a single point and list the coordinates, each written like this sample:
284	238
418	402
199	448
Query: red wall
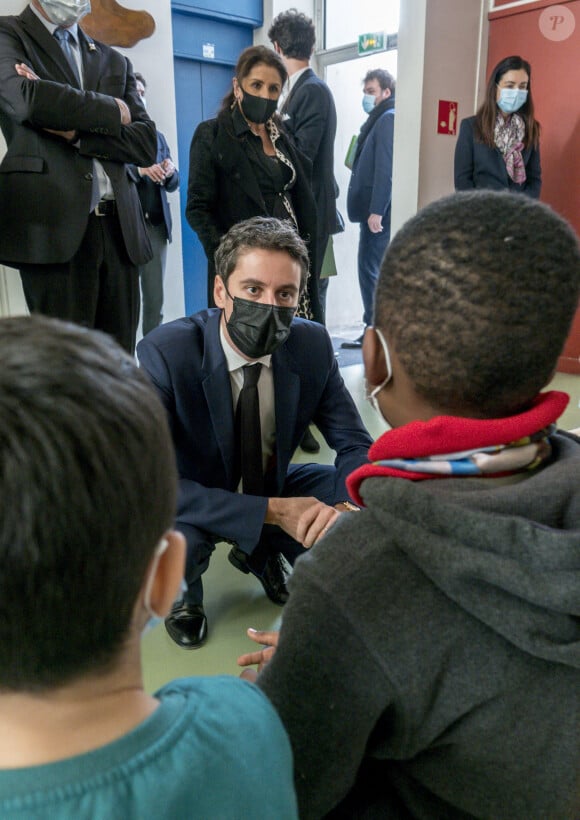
555	82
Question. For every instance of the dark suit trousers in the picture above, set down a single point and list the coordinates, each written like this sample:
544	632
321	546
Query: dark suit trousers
371	249
302	480
97	288
321	243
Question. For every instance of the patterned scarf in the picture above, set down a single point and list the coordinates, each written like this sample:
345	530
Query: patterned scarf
304	307
509	136
454	447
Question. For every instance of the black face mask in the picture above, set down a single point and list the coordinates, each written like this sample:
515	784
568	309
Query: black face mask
257	329
257	109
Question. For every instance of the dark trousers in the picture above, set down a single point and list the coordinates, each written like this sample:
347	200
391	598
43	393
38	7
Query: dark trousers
322	284
302	480
151	275
371	249
97	288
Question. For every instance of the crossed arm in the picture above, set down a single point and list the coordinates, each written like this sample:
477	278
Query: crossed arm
110	126
71	135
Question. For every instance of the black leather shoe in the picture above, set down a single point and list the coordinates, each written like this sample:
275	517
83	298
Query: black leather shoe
273	576
187	625
309	443
356	344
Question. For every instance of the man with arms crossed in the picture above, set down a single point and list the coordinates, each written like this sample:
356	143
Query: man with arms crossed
70	218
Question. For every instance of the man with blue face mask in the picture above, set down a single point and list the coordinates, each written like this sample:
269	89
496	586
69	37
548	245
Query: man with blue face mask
369	192
202	367
70	218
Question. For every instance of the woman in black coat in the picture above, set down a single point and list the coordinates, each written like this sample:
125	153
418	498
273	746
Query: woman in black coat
499	147
243	164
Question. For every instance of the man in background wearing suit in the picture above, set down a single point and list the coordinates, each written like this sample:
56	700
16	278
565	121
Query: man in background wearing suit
200	366
309	115
70	218
369	192
153	183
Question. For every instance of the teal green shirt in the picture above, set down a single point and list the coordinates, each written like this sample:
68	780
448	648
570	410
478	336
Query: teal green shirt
214	749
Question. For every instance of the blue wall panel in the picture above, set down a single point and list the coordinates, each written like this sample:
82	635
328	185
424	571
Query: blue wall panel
248	12
190	34
199	87
200	84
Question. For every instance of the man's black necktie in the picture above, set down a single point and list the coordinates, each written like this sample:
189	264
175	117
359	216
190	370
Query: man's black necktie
249	433
64	38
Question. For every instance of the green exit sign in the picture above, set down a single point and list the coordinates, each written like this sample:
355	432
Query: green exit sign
374	41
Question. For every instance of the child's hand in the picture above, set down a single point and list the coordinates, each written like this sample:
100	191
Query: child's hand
269	641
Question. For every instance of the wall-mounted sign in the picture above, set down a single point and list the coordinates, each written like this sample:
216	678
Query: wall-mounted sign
208	51
447	119
367	43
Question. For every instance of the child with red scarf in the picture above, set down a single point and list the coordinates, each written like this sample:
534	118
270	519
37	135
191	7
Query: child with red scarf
428	664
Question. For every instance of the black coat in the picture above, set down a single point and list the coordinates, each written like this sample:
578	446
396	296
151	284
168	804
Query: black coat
45	182
223	190
309	114
479	166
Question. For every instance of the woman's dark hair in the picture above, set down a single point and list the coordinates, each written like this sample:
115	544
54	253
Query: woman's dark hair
246	61
487	112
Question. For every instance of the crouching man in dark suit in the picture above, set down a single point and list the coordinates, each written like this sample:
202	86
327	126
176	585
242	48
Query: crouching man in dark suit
70	218
240	388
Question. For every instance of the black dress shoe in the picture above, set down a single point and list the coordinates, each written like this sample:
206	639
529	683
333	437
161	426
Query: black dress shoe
356	344
273	576
309	443
187	625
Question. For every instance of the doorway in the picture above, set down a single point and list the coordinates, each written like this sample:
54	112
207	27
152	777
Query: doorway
343	70
344	303
199	88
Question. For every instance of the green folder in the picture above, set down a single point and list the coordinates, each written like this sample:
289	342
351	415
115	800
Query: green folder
349	159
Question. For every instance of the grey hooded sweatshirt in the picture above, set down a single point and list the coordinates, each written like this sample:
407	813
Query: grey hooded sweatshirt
429	656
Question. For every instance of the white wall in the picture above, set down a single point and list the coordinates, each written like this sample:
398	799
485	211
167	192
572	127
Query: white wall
441	57
154	58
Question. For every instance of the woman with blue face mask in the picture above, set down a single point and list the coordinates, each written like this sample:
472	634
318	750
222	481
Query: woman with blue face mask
499	147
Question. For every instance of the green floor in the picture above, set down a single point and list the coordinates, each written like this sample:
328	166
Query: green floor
234	601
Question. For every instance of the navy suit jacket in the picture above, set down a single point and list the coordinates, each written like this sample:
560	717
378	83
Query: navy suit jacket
171	183
187	366
309	114
369	191
45	182
479	166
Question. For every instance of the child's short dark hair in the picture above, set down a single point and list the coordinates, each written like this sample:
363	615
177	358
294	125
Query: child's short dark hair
88	487
477	293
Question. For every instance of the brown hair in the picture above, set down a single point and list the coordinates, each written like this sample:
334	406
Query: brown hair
88	485
487	112
266	233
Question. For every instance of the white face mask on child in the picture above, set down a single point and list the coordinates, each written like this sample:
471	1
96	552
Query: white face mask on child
154	618
372	396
